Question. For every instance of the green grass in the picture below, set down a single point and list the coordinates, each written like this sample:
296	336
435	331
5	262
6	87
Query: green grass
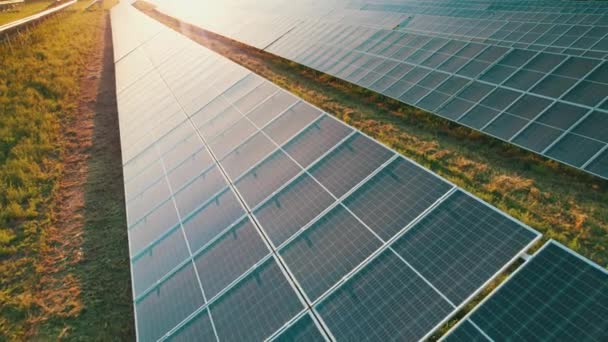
25	10
59	281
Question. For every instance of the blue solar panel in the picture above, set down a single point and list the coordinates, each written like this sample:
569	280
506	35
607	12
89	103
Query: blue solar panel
320	256
198	329
394	197
460	245
366	308
253	215
230	256
304	330
292	208
556	295
168	304
432	54
260	304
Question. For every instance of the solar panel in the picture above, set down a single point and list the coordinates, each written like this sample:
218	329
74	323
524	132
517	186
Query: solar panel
303	330
255	215
493	66
557	294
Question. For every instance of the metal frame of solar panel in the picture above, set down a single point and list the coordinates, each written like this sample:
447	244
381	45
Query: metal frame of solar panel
556	294
252	213
532	75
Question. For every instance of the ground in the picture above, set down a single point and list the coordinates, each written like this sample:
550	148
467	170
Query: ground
27	9
63	235
67	259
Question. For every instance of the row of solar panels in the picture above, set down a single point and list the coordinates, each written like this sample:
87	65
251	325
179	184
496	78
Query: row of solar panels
532	73
253	215
24	22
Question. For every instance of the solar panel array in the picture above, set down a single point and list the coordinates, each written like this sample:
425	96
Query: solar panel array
556	295
532	73
253	215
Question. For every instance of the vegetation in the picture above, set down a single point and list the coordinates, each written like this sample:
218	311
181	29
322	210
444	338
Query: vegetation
63	250
25	10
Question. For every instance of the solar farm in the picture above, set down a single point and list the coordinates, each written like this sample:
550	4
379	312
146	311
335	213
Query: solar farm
273	170
254	215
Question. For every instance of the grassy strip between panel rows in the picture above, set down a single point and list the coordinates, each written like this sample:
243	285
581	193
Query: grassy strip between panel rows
63	251
28	8
562	203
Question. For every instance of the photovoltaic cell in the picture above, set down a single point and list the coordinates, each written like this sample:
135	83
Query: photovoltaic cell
395	197
229	257
214	127
256	96
575	149
152	226
537	137
365	307
600	163
178	297
271	108
556	295
260	304
316	140
291	122
232	137
349	164
320	256
211	219
292	208
293	167
266	177
304	330
199	328
555	50
157	260
461	244
247	155
188	169
199	191
146	201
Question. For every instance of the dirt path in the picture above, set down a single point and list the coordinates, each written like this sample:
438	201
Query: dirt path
85	290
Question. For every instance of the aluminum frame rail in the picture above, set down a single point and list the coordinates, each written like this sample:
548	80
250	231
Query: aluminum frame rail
4	29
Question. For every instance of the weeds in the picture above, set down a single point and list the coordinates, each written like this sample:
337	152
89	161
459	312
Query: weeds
45	291
25	10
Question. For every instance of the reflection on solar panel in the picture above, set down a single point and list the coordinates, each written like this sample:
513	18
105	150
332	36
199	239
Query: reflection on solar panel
556	295
532	73
253	215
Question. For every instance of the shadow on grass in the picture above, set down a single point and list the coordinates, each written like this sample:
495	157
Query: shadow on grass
104	272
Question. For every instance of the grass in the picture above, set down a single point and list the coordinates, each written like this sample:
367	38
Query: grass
561	202
25	10
63	250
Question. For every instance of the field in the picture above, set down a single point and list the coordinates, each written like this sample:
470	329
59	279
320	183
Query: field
63	247
563	203
27	9
63	238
